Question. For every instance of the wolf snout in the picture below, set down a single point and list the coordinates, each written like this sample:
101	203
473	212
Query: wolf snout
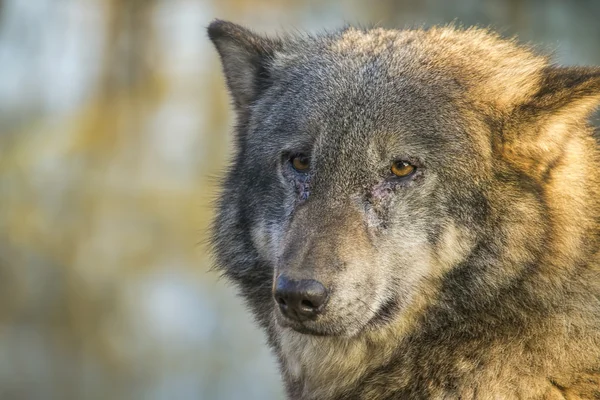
300	299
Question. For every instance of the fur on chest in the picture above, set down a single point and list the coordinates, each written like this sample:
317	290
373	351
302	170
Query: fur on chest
377	367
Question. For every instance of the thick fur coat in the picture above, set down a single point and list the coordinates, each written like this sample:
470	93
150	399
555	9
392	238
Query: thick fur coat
474	276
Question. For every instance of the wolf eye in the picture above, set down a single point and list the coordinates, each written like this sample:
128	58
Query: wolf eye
402	169
300	163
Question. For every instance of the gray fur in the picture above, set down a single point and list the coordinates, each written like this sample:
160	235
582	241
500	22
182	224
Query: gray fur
478	277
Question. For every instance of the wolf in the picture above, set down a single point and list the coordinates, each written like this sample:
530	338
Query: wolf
414	214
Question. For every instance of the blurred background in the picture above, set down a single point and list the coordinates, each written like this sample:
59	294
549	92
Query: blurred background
114	124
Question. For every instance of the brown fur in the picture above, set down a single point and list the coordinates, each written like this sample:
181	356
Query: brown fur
479	278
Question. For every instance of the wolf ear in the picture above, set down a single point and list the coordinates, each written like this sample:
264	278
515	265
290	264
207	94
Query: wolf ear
535	136
570	93
245	57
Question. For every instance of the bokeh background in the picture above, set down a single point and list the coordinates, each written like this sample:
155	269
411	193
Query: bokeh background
114	124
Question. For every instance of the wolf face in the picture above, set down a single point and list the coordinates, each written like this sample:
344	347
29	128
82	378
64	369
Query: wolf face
380	175
363	216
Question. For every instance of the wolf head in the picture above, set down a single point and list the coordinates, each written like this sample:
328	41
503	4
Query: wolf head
375	169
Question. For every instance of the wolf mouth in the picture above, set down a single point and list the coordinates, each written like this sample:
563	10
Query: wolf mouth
301	327
384	315
311	332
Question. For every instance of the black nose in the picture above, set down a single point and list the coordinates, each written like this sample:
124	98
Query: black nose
300	299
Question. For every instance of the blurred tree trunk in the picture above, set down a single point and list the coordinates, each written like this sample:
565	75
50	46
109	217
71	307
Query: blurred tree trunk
110	120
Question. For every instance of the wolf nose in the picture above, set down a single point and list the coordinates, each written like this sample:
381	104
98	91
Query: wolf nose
300	299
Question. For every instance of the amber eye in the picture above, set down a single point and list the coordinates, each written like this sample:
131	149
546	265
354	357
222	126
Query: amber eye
402	169
300	163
